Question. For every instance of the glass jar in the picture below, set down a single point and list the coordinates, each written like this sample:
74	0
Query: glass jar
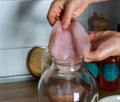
67	81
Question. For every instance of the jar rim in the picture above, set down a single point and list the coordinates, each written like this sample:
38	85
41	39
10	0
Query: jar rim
68	62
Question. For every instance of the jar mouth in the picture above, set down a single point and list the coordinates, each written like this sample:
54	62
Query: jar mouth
68	61
68	65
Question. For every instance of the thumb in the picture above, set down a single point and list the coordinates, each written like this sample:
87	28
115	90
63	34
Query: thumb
92	56
67	14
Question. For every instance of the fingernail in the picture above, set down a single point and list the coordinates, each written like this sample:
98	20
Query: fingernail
86	60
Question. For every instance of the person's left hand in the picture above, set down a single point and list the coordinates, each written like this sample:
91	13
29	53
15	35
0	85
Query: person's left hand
103	44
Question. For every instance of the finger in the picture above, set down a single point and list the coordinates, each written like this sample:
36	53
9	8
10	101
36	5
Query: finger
74	17
51	18
67	15
83	4
51	15
91	56
54	12
94	56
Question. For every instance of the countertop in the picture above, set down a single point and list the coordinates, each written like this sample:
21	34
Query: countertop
19	92
27	92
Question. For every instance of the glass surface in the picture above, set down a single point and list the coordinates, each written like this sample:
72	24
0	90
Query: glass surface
46	60
67	81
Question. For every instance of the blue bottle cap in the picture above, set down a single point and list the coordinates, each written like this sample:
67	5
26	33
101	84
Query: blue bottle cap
93	68
110	72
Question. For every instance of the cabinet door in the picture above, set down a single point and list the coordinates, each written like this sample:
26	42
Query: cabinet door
23	25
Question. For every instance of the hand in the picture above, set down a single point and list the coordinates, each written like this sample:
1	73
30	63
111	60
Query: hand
66	10
103	44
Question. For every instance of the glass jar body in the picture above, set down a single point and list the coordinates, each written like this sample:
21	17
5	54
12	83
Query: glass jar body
74	85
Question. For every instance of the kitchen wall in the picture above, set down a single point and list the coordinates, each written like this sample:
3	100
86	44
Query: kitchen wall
23	25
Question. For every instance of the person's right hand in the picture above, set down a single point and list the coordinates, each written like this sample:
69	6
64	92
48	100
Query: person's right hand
66	10
103	44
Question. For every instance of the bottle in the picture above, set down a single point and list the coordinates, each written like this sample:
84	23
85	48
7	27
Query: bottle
100	23
118	63
67	81
109	74
93	68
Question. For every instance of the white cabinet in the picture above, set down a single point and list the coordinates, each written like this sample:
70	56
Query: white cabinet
23	25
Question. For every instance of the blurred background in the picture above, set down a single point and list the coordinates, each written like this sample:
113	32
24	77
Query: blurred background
23	25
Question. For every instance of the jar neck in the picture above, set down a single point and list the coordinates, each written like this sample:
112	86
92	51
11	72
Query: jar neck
68	65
